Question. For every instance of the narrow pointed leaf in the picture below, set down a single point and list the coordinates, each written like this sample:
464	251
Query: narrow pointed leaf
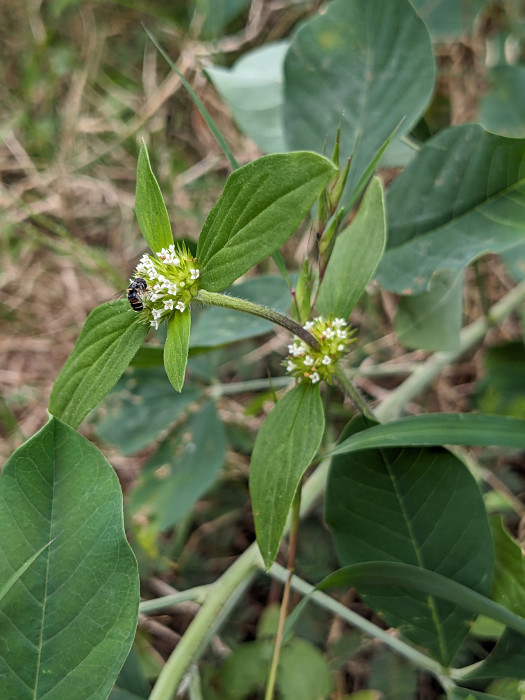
111	336
439	429
151	211
68	623
381	573
176	348
356	254
262	205
284	448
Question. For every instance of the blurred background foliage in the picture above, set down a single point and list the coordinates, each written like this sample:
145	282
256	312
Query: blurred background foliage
80	85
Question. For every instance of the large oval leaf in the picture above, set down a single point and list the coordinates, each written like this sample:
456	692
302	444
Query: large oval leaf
356	254
361	66
68	623
420	507
111	336
285	446
461	197
261	206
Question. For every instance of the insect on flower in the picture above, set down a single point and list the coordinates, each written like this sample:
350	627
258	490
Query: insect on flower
135	291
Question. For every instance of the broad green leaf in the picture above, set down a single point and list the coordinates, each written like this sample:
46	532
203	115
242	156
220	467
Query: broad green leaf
462	196
514	259
417	506
141	406
176	348
448	19
466	694
68	623
285	446
217	326
363	66
393	675
111	336
432	320
502	389
439	429
183	468
502	110
151	211
261	206
253	90
355	256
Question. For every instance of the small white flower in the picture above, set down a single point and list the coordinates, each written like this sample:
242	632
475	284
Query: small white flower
156	313
194	274
168	304
329	333
180	306
326	360
341	334
339	322
308	325
290	366
172	288
308	361
155	325
314	378
340	347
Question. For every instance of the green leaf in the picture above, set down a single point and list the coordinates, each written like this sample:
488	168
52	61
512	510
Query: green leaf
435	224
218	14
393	675
217	326
111	336
502	110
285	446
439	429
151	211
68	623
502	389
180	472
362	66
448	19
253	90
417	506
432	320
141	406
176	348
303	672
355	256
261	206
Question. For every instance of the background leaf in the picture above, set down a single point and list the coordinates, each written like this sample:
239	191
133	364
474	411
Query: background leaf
362	66
253	90
261	206
420	507
182	469
216	326
109	339
286	444
502	389
68	623
461	197
151	211
176	348
142	405
448	19
355	256
502	110
432	320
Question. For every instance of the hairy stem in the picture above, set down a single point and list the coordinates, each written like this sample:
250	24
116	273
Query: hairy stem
257	310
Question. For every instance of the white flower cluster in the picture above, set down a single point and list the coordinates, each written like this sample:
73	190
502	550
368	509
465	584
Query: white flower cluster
171	279
333	335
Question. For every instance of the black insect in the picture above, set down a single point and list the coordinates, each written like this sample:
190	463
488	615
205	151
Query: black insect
135	291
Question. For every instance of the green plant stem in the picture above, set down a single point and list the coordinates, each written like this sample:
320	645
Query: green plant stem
249	307
294	532
196	595
470	335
